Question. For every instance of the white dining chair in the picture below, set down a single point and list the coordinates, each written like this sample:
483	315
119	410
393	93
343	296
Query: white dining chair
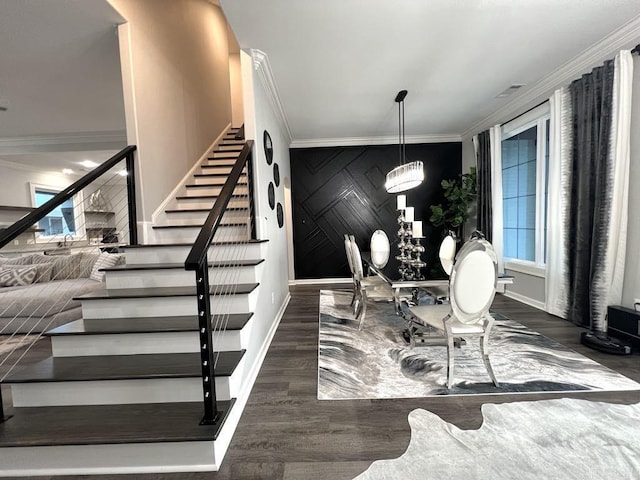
472	288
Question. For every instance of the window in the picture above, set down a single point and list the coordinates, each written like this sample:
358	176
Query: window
525	160
61	220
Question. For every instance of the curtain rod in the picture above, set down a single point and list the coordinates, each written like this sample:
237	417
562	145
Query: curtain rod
524	113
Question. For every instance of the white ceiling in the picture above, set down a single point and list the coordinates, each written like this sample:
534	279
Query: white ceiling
60	81
338	64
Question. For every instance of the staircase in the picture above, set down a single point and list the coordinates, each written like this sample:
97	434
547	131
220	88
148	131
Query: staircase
122	391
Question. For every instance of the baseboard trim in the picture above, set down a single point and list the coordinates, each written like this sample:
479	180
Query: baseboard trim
224	440
316	281
524	299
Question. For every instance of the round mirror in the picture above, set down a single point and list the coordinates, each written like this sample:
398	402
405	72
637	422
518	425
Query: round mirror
272	196
380	249
276	174
268	147
280	214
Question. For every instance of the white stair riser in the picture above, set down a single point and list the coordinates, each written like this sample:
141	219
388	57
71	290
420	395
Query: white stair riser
178	253
216	170
225	155
194	192
141	343
112	392
222	163
112	459
118	279
215	180
189	234
195	218
165	306
195	202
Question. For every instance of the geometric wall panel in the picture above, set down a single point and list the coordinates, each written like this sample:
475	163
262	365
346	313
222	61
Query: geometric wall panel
338	190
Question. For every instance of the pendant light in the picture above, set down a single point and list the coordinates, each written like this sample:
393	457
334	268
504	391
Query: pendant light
407	175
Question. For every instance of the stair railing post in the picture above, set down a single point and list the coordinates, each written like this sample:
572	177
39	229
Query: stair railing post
131	196
206	345
252	209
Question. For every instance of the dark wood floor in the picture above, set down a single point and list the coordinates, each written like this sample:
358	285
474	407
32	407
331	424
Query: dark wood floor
286	433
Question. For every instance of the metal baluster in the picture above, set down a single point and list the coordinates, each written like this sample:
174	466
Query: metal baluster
206	345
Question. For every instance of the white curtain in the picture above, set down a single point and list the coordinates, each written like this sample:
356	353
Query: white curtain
559	173
619	151
495	136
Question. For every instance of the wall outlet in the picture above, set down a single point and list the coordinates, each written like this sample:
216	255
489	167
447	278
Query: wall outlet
16	242
273	298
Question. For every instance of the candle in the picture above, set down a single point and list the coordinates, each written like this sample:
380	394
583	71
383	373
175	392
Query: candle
408	214
402	202
417	229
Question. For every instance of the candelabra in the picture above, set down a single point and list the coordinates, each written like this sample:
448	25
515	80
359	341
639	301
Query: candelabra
410	254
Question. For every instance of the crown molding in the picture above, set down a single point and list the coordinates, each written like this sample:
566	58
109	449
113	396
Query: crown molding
31	168
625	37
363	141
262	66
65	142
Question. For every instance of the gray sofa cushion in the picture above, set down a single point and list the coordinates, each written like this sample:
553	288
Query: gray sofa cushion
45	298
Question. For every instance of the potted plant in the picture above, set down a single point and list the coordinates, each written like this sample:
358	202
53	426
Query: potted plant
459	194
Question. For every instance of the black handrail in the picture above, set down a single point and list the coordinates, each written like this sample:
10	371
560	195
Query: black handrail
39	213
197	260
198	254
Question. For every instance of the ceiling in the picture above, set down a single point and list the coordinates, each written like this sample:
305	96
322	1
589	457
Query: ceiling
59	56
338	64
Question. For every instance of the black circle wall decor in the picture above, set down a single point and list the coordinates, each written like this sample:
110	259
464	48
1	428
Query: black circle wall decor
276	174
280	214
268	147
272	196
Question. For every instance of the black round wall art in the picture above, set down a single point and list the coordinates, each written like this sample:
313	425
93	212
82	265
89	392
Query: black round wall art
276	174
272	196
268	147
280	214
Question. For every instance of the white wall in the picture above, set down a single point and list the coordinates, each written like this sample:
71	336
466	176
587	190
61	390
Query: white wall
15	189
175	60
260	115
530	288
631	288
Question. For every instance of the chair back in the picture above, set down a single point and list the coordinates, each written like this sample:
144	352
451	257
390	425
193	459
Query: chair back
447	253
356	258
380	249
347	247
473	282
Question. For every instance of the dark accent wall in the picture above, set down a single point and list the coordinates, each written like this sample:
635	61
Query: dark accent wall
338	190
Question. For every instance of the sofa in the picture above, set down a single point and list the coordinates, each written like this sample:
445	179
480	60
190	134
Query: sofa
37	291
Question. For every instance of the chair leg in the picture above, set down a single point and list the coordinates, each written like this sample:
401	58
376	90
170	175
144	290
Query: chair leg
450	355
353	299
363	308
484	349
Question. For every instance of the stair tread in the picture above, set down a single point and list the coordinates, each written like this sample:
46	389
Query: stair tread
205	175
122	367
109	424
208	185
196	210
180	266
207	197
184	323
239	288
184	244
199	225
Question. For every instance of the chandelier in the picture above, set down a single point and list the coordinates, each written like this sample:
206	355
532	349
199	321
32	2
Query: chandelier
407	175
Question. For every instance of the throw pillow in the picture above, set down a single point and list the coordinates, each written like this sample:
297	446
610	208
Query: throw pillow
22	275
105	260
